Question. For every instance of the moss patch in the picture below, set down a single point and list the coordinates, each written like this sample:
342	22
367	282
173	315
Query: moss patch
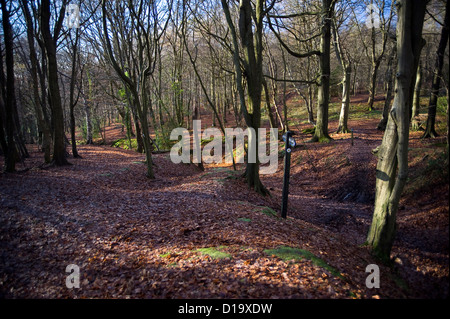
214	252
268	211
290	253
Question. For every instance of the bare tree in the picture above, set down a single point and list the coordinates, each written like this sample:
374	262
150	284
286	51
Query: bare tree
251	39
378	24
326	13
133	53
346	65
34	69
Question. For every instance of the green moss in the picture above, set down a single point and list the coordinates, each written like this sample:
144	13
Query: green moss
290	253
106	174
310	130
125	143
214	252
269	212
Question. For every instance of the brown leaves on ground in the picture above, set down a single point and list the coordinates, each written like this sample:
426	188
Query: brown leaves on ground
138	238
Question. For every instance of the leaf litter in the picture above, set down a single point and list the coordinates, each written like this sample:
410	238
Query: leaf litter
195	234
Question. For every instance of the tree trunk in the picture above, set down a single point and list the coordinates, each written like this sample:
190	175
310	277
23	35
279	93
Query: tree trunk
59	146
87	111
323	94
373	84
252	49
416	99
347	70
10	98
345	106
272	121
135	118
388	98
392	167
432	105
43	127
72	101
310	105
148	145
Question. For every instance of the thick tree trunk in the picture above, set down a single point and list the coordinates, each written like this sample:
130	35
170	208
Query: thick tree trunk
252	49
139	140
59	146
10	98
392	167
323	95
148	145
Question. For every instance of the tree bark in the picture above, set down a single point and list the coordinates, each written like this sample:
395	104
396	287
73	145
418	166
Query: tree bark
59	146
430	130
416	99
72	101
373	83
10	98
252	49
345	105
388	97
87	111
347	72
392	166
323	94
43	127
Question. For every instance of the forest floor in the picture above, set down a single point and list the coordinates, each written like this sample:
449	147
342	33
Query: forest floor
204	234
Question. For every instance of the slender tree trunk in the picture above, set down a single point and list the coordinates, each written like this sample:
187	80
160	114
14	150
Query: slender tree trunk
373	83
392	167
448	122
347	70
430	130
87	111
416	99
345	105
310	104
72	101
273	124
272	69
323	95
3	143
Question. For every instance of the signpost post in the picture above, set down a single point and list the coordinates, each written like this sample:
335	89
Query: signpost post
289	143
